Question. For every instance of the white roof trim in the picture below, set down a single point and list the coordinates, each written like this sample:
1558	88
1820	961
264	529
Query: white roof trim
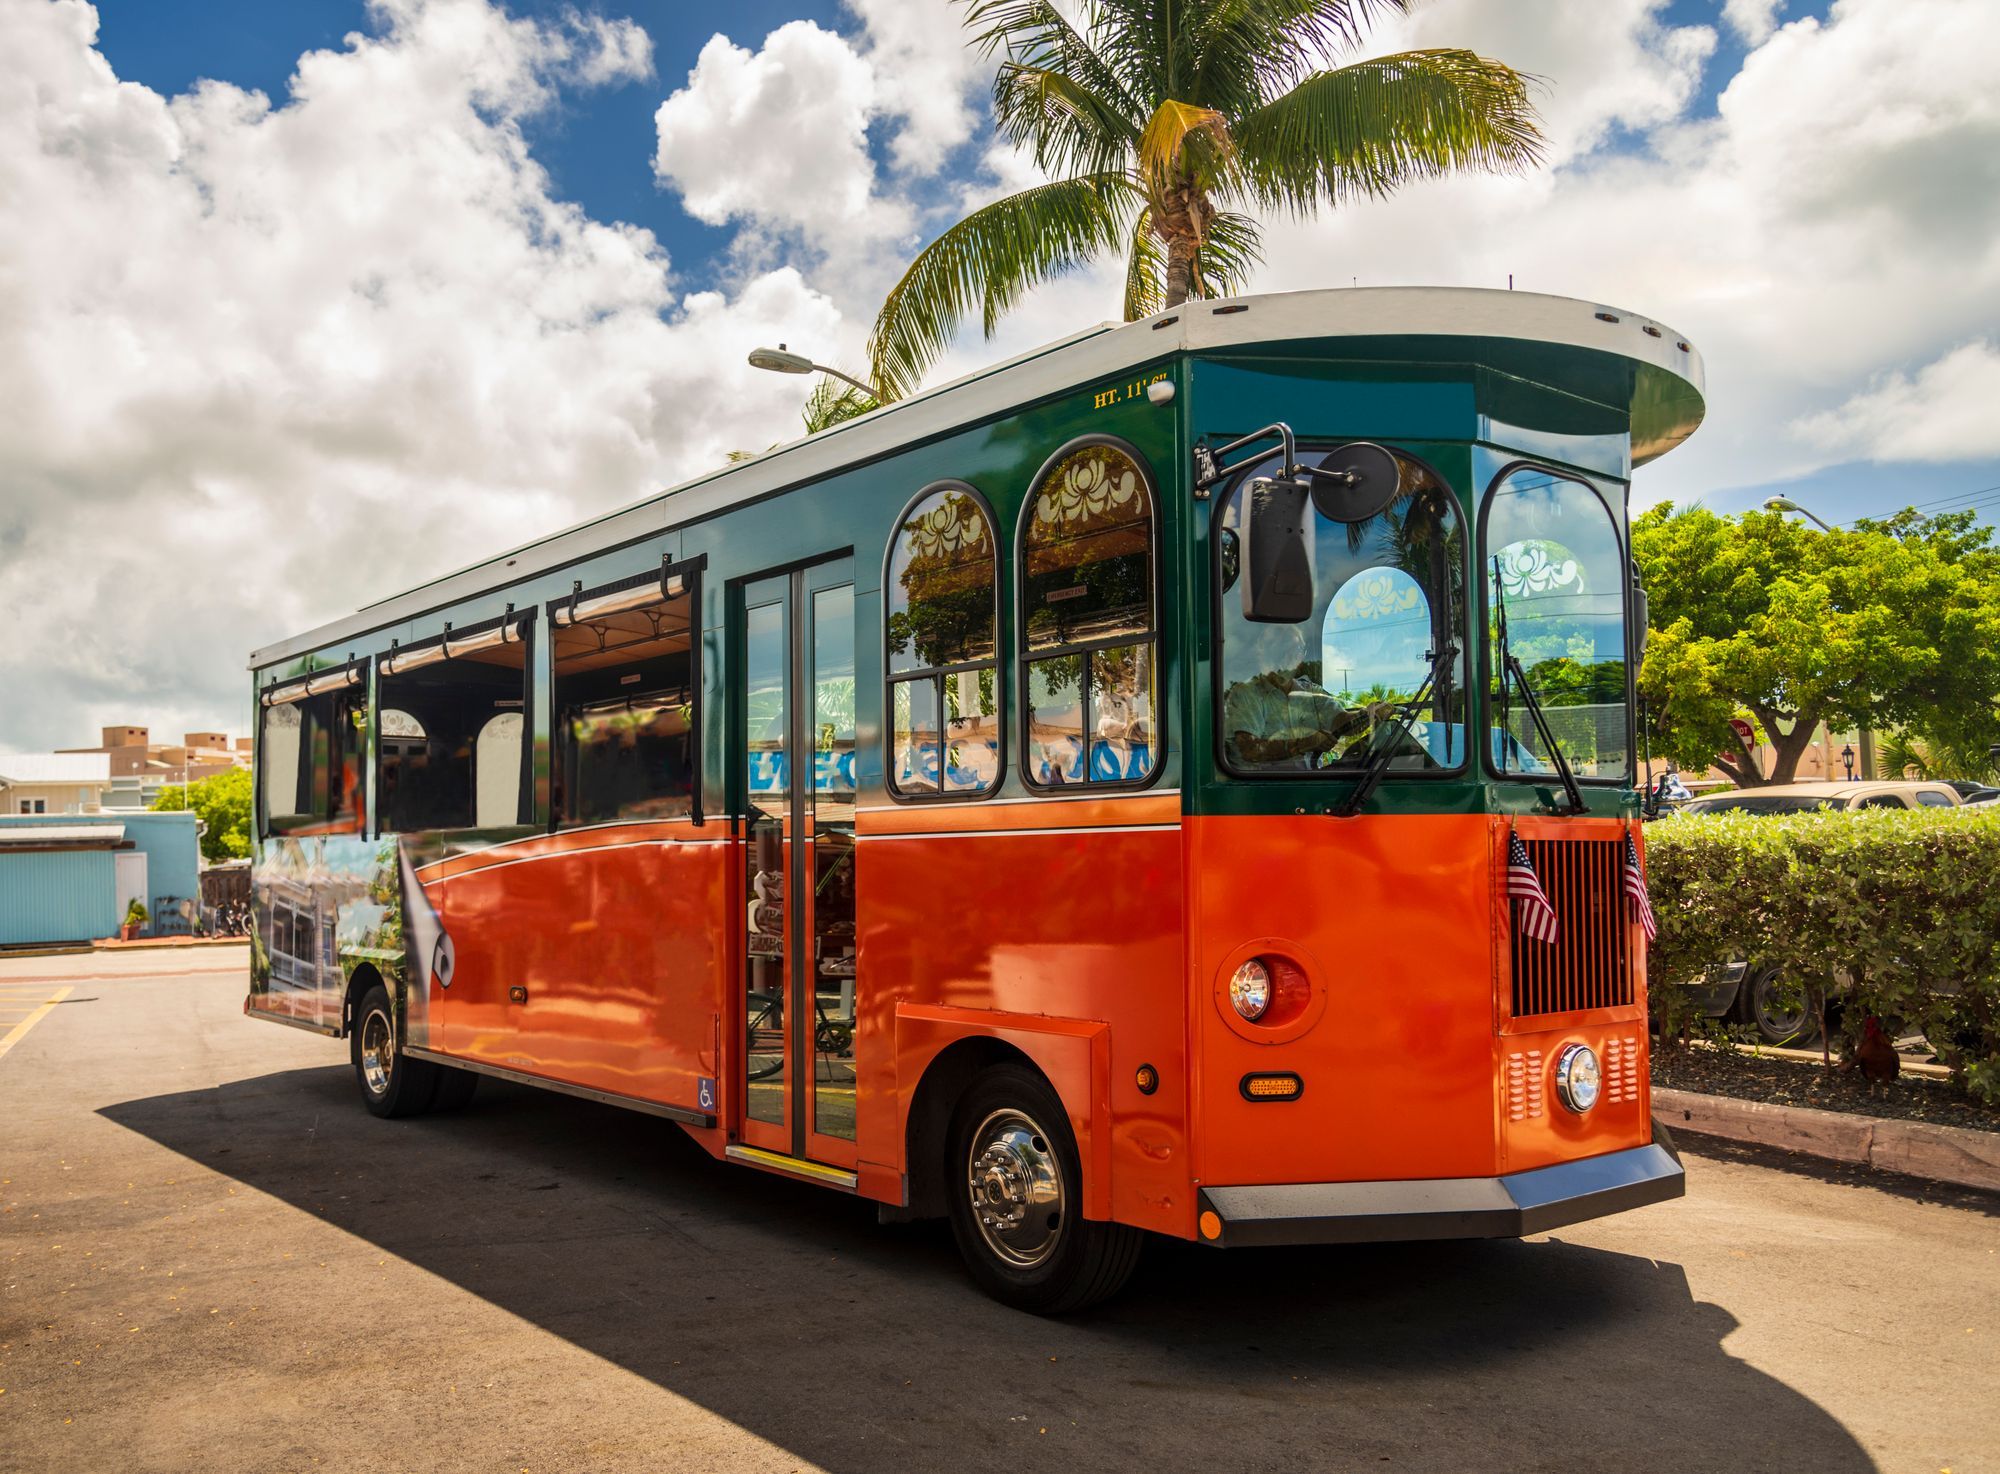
1096	353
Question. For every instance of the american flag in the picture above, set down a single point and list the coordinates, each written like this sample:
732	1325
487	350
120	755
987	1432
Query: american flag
1635	887
1537	918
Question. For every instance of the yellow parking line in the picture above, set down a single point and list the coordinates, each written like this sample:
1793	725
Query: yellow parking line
20	1031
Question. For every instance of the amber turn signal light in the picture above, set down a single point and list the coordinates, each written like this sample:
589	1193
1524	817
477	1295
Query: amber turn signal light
1285	1086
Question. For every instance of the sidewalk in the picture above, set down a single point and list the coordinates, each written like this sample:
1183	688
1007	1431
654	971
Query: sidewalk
112	944
1953	1154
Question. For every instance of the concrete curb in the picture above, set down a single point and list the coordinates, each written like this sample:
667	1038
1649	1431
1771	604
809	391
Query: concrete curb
149	944
1953	1154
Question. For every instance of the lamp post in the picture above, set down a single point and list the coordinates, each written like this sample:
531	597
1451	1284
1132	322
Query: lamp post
1786	504
780	360
1847	757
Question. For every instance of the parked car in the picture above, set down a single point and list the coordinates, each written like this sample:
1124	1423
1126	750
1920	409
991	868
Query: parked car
1980	796
1749	993
1801	798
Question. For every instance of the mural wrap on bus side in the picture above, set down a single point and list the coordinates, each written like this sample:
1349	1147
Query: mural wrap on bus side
327	905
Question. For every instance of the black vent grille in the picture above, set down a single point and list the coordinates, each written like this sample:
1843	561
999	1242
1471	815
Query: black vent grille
1589	967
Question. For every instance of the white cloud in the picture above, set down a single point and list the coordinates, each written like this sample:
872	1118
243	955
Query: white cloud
1752	20
259	364
778	136
925	70
1606	64
1949	411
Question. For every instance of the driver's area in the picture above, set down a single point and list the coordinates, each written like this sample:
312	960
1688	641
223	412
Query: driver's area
1366	668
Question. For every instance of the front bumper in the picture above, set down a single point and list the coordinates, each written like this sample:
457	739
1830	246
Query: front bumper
1447	1207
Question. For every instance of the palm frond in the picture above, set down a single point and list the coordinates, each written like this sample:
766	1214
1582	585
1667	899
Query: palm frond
1232	250
1366	128
1179	134
1034	34
833	402
1247	51
987	261
1145	264
1066	126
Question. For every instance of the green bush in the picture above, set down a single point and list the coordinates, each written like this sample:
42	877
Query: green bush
1905	904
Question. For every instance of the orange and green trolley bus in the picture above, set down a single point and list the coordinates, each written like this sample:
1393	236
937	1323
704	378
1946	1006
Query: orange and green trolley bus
1178	781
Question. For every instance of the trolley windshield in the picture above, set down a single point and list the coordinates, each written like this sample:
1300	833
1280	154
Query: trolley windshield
1322	696
1555	605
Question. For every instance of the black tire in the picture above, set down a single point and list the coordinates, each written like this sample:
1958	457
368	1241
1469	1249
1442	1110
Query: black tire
1009	1146
1760	1004
392	1085
455	1089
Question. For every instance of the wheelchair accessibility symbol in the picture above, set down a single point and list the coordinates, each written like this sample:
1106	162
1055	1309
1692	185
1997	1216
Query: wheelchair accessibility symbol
705	1095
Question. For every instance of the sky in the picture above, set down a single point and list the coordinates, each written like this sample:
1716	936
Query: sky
304	303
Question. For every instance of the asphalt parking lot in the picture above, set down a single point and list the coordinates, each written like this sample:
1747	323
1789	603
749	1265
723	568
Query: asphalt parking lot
211	1258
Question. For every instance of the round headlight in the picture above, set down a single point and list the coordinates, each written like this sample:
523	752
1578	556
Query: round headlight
1576	1077
1250	989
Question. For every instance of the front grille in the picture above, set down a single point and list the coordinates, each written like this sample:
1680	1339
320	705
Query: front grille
1587	967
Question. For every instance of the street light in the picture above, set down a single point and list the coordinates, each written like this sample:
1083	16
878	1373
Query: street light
1847	756
1786	504
781	361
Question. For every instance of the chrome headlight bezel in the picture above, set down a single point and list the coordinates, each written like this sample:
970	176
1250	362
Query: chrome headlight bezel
1579	1078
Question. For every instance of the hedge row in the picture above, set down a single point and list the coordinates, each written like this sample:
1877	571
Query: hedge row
1905	903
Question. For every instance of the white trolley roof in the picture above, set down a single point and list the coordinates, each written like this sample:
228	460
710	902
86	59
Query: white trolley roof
1666	407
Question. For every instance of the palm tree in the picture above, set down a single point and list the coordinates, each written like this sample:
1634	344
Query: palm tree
1161	123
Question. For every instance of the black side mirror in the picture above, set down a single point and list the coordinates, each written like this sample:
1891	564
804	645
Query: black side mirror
1278	586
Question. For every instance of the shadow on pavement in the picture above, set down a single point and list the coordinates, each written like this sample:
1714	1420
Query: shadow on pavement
788	1311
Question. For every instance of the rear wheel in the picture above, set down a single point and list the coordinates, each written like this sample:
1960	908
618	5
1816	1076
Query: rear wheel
391	1083
1015	1184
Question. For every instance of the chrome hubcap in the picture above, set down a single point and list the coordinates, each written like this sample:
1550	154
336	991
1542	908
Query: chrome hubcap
1016	1187
378	1051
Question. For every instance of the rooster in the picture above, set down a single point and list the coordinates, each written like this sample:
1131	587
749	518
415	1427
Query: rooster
1875	1055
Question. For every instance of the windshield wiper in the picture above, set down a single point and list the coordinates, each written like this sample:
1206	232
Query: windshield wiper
1510	665
1378	762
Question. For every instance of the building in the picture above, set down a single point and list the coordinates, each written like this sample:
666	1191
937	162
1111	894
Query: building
142	768
54	782
71	878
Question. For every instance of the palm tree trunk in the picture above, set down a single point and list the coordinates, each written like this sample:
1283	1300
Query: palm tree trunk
1180	217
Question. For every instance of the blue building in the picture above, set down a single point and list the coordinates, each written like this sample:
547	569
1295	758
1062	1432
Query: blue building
71	877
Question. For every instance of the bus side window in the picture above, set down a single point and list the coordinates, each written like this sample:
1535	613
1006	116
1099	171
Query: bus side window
942	612
449	749
624	707
1090	620
309	759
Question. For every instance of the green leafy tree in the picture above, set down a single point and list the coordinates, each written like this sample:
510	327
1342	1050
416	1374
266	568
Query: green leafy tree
222	803
1890	624
1162	123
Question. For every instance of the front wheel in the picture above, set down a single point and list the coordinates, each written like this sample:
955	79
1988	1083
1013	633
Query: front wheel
392	1084
1016	1188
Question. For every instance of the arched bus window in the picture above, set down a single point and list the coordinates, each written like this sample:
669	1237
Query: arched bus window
942	614
1090	620
1555	582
